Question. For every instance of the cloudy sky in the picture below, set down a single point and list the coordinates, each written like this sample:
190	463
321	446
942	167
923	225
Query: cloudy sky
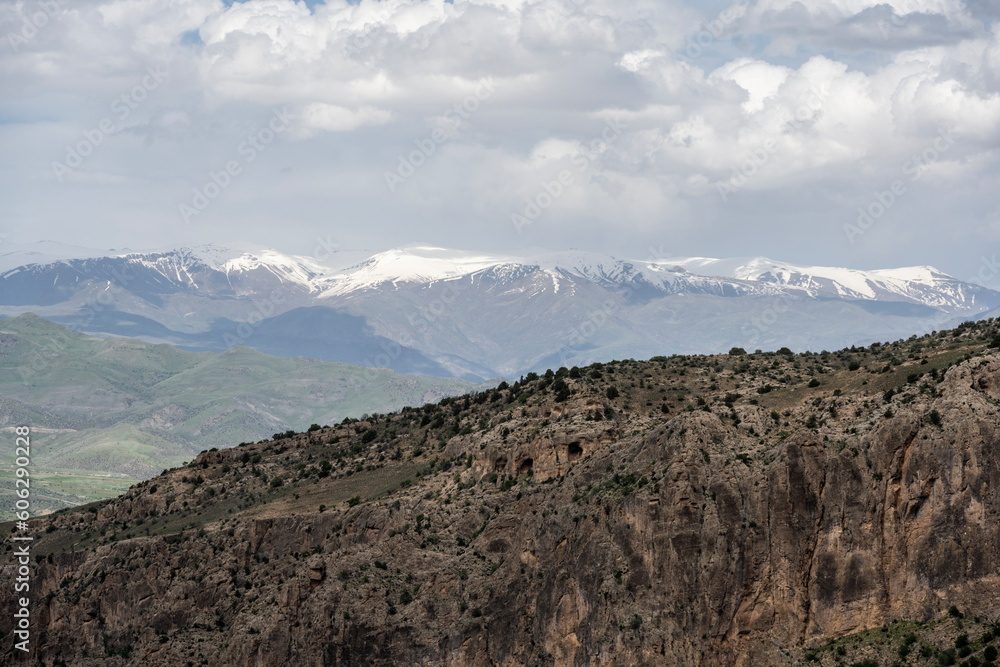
765	127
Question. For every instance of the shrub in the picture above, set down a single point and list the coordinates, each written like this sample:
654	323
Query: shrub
354	501
946	657
737	351
612	392
813	383
561	390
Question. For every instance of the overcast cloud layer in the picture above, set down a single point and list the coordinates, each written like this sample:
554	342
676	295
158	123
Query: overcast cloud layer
755	128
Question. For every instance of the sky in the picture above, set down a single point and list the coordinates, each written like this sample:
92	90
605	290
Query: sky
859	133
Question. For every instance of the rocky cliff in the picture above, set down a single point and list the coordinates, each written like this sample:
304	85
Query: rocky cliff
711	511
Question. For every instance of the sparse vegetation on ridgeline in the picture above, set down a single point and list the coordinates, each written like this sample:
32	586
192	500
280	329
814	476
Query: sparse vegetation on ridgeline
654	517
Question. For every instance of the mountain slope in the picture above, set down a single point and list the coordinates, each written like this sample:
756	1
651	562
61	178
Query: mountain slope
696	511
435	311
132	408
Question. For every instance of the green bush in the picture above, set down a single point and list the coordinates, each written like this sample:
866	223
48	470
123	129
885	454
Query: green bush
945	658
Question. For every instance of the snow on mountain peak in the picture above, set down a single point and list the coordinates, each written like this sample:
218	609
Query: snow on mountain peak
411	264
341	272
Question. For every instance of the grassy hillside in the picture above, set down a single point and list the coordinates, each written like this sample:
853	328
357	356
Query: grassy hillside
124	409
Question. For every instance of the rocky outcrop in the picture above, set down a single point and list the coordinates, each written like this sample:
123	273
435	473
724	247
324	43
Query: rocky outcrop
729	536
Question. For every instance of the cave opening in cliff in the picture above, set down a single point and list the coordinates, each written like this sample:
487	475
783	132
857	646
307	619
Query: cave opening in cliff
573	451
525	466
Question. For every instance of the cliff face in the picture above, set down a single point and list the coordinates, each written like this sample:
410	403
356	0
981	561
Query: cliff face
557	533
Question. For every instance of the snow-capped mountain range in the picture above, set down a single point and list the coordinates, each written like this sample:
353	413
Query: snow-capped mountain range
426	309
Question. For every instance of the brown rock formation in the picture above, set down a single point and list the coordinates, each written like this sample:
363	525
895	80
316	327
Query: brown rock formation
724	536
